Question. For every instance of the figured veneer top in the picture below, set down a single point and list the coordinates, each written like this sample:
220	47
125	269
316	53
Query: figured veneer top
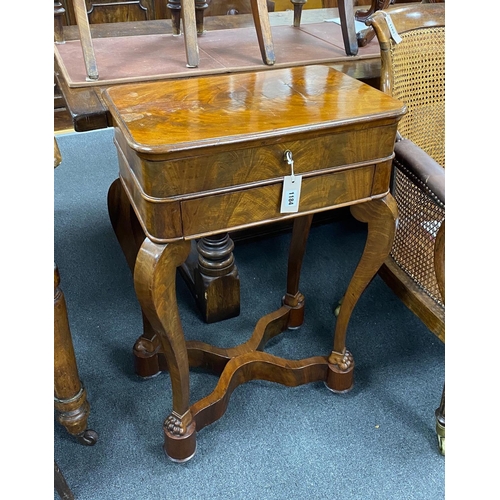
179	115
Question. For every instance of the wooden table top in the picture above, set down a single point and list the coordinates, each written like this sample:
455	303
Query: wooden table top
88	110
220	110
209	154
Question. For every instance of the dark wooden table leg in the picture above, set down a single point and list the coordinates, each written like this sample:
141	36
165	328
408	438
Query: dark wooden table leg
70	397
200	6
82	21
60	484
298	5
215	278
154	280
346	13
175	14
440	421
381	216
293	297
211	275
58	21
263	28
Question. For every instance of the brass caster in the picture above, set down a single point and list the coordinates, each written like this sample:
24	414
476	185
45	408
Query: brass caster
440	437
88	437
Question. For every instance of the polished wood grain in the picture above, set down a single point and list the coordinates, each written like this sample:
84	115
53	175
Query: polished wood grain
266	103
217	164
106	11
199	157
87	109
217	297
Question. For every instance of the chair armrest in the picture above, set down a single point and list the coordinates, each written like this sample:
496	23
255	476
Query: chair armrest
424	170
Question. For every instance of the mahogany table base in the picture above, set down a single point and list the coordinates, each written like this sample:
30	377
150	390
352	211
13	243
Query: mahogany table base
203	173
162	347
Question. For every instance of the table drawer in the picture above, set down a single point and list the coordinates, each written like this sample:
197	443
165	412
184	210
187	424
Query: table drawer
261	163
169	219
234	210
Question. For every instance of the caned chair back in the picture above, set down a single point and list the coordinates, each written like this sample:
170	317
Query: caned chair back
413	71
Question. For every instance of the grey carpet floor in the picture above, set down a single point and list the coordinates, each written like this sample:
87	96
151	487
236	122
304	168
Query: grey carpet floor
375	442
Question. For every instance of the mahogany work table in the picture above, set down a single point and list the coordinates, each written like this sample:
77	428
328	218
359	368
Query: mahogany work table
128	50
212	154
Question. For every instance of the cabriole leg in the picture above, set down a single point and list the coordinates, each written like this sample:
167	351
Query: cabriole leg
154	280
381	217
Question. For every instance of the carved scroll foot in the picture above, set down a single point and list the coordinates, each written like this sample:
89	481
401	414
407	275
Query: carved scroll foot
296	315
340	377
180	439
149	360
293	298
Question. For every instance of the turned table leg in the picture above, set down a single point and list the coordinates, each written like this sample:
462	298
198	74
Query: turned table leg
215	277
59	11
210	270
298	5
200	6
154	280
346	14
70	397
381	216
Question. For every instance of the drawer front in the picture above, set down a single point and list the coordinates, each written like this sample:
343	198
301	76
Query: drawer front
160	219
258	205
261	163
